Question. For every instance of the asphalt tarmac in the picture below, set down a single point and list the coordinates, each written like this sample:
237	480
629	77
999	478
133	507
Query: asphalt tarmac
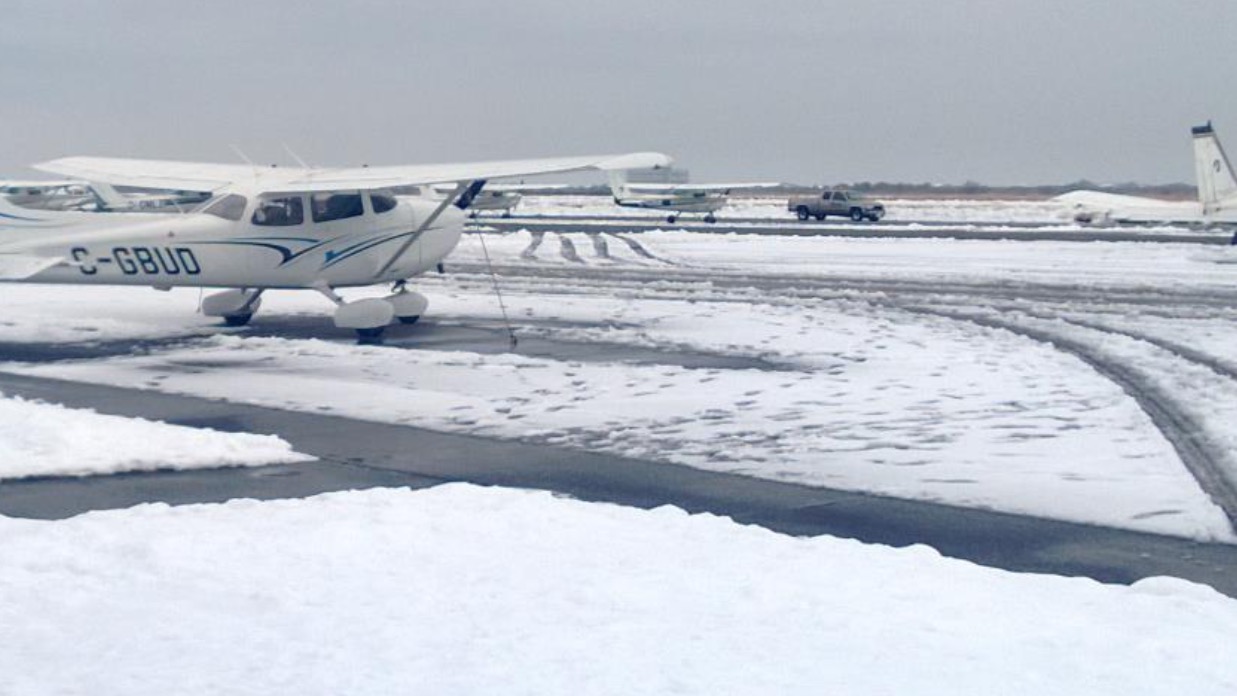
357	454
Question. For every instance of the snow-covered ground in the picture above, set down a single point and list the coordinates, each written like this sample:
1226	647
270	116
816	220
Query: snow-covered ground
40	439
461	589
963	211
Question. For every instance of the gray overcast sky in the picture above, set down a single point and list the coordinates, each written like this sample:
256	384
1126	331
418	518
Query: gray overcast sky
1013	91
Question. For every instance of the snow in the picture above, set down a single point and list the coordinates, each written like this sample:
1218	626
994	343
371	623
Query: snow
41	439
460	589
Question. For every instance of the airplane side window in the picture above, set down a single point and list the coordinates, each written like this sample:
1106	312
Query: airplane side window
230	207
382	202
279	212
336	206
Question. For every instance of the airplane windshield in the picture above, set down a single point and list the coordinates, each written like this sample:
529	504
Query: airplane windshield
279	212
336	206
230	207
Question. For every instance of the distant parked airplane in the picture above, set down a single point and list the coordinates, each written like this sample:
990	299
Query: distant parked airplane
675	198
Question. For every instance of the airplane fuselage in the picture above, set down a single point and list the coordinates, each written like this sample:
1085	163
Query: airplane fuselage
203	249
682	203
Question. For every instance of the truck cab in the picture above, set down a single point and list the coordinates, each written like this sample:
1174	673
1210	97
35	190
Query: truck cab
836	202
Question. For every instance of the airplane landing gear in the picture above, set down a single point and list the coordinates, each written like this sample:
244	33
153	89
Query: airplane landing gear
237	319
409	305
235	307
710	218
671	218
370	317
370	337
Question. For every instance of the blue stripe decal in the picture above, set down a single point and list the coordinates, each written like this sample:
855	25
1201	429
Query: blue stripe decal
18	217
342	256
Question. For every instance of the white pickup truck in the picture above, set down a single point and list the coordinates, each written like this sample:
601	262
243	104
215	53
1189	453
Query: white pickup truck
841	203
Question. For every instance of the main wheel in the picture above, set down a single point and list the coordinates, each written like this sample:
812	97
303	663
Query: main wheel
237	319
856	214
802	212
370	336
409	320
671	218
710	218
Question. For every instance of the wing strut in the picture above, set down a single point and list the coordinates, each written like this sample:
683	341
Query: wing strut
462	196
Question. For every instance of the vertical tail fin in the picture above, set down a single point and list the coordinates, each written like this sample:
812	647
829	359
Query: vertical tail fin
1212	169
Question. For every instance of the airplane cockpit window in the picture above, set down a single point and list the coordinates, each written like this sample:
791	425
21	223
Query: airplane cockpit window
230	207
336	206
284	211
382	201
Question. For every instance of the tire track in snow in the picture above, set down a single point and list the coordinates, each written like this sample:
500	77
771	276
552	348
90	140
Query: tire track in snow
1211	362
1201	457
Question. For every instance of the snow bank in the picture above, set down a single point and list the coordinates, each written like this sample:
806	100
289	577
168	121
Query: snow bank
460	589
38	439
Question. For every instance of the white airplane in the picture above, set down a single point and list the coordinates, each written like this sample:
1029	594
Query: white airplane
496	198
1216	204
73	194
674	198
264	228
66	194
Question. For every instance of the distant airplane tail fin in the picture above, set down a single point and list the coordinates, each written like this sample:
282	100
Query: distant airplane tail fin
1216	181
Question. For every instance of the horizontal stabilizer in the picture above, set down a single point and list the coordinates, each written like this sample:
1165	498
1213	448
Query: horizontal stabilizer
24	266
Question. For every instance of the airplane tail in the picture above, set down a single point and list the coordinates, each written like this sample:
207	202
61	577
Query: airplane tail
1212	169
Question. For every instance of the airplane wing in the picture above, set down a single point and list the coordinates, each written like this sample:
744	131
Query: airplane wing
156	174
193	176
695	188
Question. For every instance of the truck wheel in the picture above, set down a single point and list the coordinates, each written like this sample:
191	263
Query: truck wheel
856	214
820	216
801	211
874	217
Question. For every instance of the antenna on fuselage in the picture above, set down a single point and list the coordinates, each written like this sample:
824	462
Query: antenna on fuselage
295	156
239	153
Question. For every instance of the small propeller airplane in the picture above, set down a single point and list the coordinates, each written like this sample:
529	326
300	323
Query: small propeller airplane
673	198
265	228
